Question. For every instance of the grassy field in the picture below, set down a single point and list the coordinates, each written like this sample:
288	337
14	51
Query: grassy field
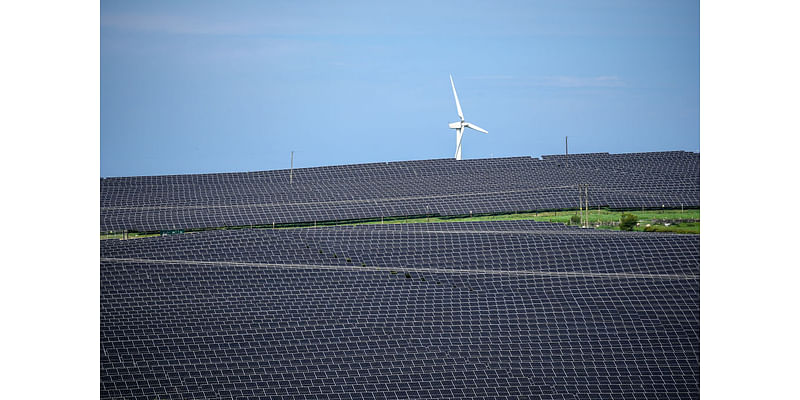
600	219
603	218
132	235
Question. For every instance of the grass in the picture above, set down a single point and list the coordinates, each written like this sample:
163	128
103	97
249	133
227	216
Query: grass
596	217
684	227
131	235
602	217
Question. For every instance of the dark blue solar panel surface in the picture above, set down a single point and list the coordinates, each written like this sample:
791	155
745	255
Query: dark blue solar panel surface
470	310
443	187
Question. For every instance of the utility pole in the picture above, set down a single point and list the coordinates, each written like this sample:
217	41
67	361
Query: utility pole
291	168
586	199
583	204
580	203
566	150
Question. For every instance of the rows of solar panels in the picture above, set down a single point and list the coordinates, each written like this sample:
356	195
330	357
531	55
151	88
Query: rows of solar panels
472	310
409	188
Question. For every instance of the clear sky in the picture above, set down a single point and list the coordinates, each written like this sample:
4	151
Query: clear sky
202	86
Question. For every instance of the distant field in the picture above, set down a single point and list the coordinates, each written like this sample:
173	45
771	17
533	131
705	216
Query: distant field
132	235
601	219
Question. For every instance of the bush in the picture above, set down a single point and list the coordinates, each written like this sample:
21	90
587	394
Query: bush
575	220
627	222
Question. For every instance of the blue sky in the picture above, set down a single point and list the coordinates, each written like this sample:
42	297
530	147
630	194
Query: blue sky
195	86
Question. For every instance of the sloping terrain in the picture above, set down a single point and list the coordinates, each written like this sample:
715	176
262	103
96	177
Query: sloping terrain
443	187
446	310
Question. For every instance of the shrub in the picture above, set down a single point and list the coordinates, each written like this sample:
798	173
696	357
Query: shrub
575	220
627	222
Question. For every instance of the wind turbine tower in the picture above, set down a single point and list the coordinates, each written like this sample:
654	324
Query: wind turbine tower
460	125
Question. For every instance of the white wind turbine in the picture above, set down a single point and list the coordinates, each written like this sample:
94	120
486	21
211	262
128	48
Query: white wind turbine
460	125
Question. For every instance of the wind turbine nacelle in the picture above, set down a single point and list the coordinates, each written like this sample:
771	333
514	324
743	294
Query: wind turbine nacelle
455	125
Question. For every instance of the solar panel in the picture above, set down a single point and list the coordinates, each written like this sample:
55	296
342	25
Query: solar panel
469	310
445	187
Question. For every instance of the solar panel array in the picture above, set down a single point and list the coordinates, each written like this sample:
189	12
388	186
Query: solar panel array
445	310
409	188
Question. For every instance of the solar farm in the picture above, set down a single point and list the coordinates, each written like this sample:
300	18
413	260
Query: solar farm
489	309
445	187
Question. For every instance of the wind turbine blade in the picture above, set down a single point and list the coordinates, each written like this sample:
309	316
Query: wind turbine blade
476	127
458	105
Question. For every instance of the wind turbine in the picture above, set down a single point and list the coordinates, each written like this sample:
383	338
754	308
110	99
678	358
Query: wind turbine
460	125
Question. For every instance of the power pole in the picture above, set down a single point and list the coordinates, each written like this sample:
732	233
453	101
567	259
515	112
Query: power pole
586	198
583	204
580	202
566	150
291	168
